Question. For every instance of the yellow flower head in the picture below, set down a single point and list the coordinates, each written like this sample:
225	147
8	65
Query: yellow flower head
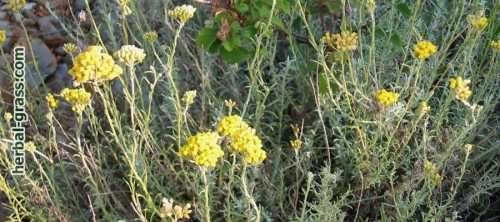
3	36
203	149
424	49
78	98
16	5
478	21
432	173
468	148
70	47
7	116
94	65
296	144
182	13
371	5
343	42
495	45
151	36
130	55
189	97
242	139
52	101
30	146
461	88
387	98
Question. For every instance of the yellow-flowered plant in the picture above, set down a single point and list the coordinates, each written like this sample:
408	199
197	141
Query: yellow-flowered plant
3	36
30	146
371	5
94	65
130	55
189	97
461	88
243	139
478	21
495	45
424	49
203	149
79	99
52	101
16	5
431	172
343	42
182	13
387	98
151	36
70	47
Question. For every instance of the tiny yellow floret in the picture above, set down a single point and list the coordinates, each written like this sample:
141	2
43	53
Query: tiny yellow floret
70	47
343	42
461	88
495	45
3	36
478	21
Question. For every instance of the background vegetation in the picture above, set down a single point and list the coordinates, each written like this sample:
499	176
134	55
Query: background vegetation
357	161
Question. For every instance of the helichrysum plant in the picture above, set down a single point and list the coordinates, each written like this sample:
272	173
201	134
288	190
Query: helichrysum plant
203	149
174	212
70	47
151	36
94	65
424	49
16	5
79	99
432	174
189	97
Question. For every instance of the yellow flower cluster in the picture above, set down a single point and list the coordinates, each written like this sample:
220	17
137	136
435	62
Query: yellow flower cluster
151	36
3	36
495	45
16	5
387	98
432	173
52	101
176	212
94	65
343	42
296	144
424	49
130	55
182	13
478	21
461	88
242	139
203	149
78	98
189	97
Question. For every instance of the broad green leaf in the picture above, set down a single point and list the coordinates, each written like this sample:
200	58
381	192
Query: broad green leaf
236	55
404	9
206	37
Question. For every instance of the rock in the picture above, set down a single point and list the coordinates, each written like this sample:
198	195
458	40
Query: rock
50	34
60	80
46	60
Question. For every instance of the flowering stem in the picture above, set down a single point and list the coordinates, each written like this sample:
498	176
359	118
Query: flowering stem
247	194
207	206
